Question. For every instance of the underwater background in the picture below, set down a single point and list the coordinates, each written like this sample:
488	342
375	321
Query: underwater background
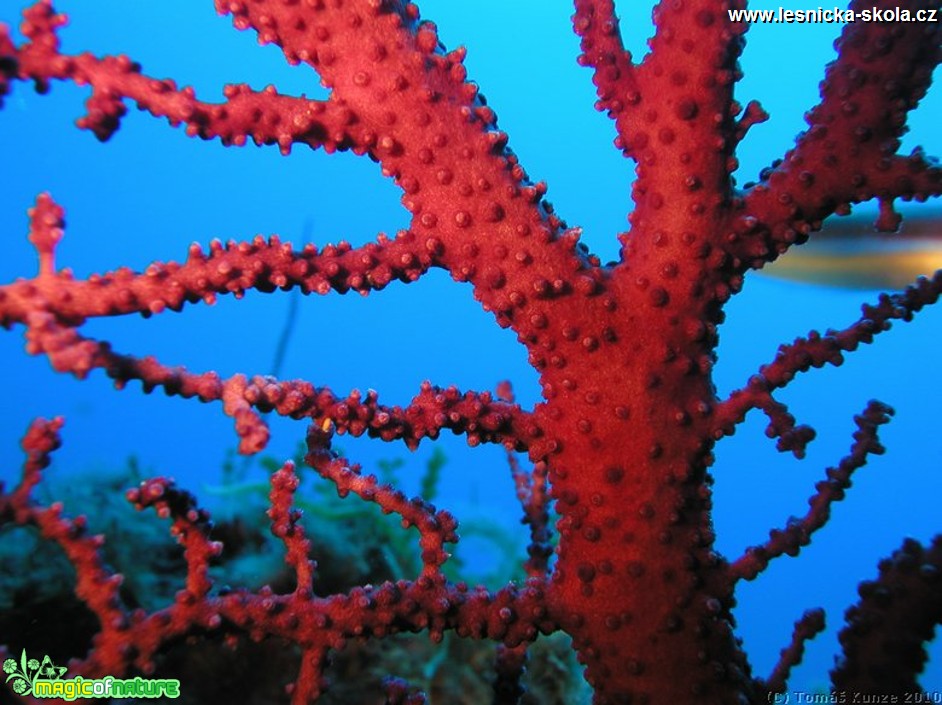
151	191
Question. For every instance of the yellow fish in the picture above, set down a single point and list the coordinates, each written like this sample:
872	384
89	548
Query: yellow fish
850	254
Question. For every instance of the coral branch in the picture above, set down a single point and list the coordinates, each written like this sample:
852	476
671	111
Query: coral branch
266	116
233	268
797	533
438	139
474	415
285	525
849	153
40	440
310	682
317	625
435	528
897	614
46	229
95	585
810	625
816	351
533	495
603	51
916	174
511	665
191	527
753	115
679	127
757	395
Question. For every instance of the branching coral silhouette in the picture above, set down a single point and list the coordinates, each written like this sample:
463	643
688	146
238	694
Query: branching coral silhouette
622	439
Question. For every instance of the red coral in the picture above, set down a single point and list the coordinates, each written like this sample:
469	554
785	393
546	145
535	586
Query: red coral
625	352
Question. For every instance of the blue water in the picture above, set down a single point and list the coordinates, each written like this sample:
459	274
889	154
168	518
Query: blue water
151	191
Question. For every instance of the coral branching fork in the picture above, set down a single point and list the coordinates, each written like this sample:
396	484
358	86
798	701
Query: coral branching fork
624	433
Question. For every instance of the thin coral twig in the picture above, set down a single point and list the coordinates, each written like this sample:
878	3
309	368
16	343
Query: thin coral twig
818	350
797	533
266	116
810	625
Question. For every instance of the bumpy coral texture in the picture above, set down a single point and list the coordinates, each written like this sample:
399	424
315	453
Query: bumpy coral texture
629	416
